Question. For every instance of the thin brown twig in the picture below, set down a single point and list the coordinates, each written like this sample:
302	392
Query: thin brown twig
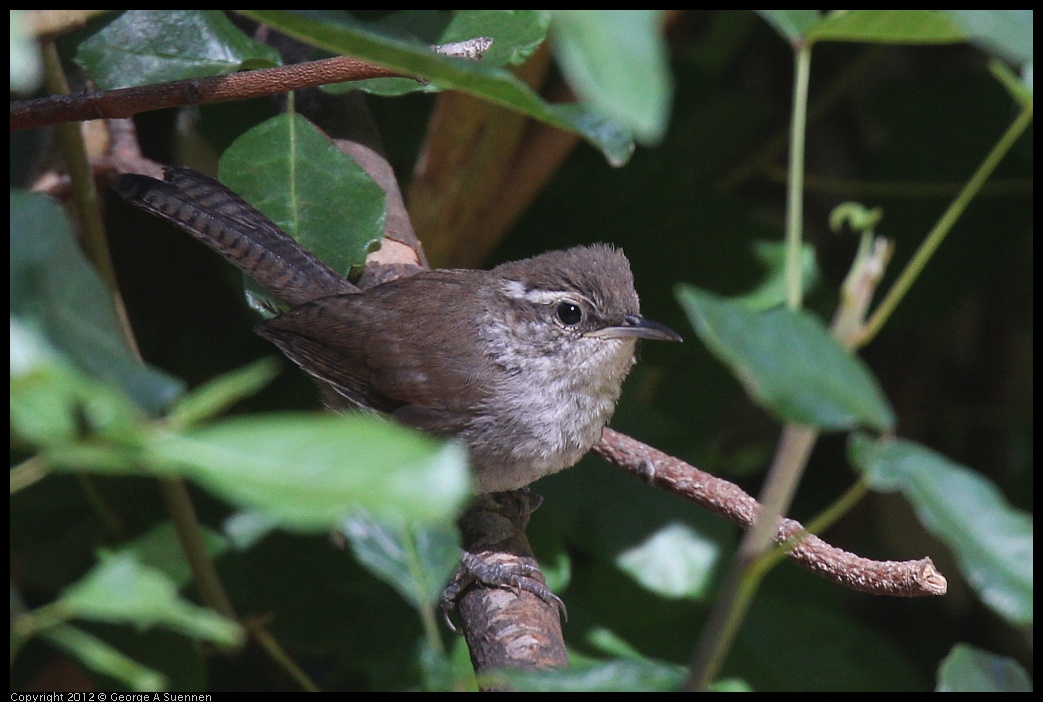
126	102
899	578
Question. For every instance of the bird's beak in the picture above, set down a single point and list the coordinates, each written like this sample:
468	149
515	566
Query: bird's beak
637	327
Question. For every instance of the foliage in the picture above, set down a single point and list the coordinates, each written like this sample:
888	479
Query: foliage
903	115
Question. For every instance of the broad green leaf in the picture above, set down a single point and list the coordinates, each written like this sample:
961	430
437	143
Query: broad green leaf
140	47
213	397
969	669
610	676
415	560
992	540
56	293
617	61
497	85
120	590
1007	33
311	471
104	659
792	25
515	35
676	561
887	27
316	193
789	363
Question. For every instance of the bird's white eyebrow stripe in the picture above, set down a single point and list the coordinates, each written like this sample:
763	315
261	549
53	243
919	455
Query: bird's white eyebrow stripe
518	291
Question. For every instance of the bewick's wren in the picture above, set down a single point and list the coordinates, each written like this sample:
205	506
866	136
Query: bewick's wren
523	363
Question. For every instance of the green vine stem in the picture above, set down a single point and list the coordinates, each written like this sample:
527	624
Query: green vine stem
795	184
943	227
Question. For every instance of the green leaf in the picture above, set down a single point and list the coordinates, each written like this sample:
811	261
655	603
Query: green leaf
887	27
992	540
792	25
789	363
55	292
310	471
317	194
1006	33
617	61
969	669
416	560
214	396
159	548
611	676
26	62
52	402
771	291
103	658
515	35
87	457
675	561
140	47
490	83
120	590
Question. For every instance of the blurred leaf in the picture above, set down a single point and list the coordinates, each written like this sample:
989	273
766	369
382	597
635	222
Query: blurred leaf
497	85
120	590
788	363
792	25
139	47
25	62
93	458
104	659
213	397
313	191
58	294
969	669
1006	33
415	560
45	392
676	561
992	541
611	676
771	291
52	402
311	471
887	27
246	528
159	548
617	61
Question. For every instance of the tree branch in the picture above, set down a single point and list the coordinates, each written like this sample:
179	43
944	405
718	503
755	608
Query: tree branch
126	102
900	578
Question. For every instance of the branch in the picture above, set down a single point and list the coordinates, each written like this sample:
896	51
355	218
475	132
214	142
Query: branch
126	102
898	578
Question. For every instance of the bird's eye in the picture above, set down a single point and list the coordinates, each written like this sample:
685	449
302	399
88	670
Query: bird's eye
569	313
